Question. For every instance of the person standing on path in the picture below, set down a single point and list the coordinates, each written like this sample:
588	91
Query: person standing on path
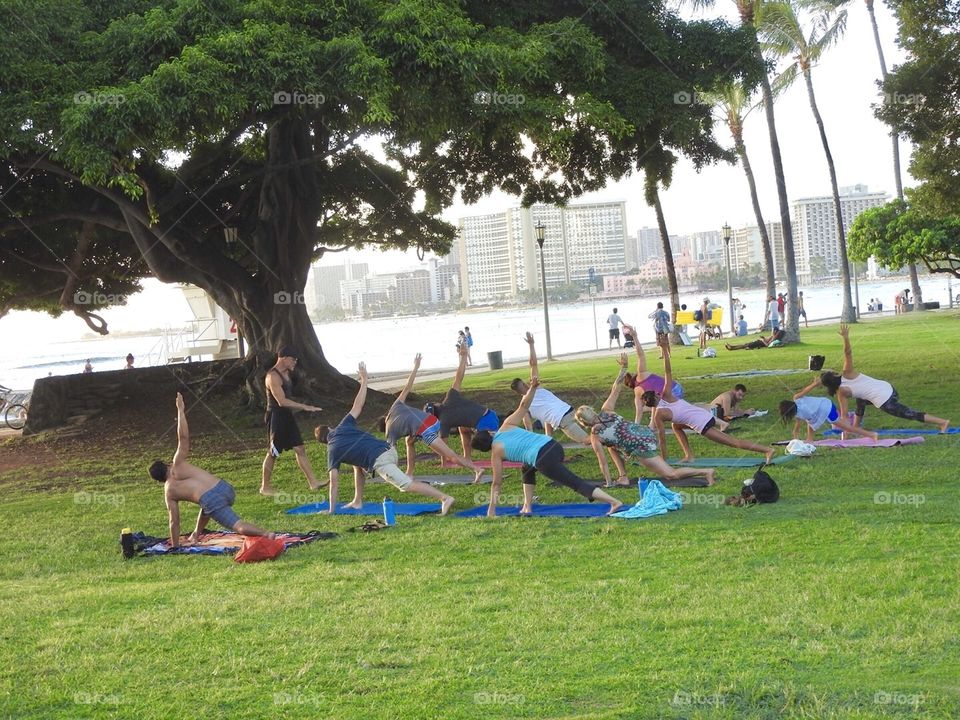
704	320
614	320
800	311
284	433
773	313
469	340
661	324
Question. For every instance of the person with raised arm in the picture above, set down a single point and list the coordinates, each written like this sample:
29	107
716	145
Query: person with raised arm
404	421
456	411
282	426
638	442
537	452
644	380
183	481
815	411
348	443
681	414
851	384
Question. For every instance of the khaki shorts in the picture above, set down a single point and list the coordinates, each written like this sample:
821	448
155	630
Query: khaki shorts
386	467
570	427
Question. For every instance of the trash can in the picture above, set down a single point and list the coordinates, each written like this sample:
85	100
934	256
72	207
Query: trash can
495	360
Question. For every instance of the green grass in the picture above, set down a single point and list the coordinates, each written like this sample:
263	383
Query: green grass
828	604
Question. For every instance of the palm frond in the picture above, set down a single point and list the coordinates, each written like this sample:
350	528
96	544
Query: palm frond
778	28
784	80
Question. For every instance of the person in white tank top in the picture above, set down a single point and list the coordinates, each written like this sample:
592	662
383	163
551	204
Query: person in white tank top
668	408
851	384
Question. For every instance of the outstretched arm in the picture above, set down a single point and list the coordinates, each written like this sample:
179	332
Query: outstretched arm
516	418
808	388
847	351
667	370
611	402
361	398
461	368
173	509
534	370
402	397
641	357
183	432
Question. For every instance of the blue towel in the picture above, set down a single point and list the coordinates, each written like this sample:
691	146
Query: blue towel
907	431
567	510
369	508
655	499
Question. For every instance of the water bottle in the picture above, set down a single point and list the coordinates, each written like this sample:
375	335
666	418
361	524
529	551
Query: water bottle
126	543
388	516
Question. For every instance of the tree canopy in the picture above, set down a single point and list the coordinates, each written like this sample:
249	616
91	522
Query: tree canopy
230	143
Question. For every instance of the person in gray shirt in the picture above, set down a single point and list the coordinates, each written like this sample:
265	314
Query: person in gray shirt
404	421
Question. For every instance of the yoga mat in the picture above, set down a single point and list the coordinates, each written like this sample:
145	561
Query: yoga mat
221	543
567	510
745	373
485	463
369	508
731	461
904	431
867	442
438	479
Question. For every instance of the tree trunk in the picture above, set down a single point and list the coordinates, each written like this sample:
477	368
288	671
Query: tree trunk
894	136
789	258
848	313
764	235
653	198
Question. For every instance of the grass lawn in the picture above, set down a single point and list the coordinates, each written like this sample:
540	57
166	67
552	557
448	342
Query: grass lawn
840	601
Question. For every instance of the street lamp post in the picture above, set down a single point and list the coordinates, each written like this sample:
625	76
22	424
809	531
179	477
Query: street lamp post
541	228
726	242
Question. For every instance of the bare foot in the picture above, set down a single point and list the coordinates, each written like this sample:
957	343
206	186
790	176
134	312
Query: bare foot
267	491
687	459
446	504
319	485
478	475
194	538
874	436
355	504
711	476
526	510
945	426
615	508
769	454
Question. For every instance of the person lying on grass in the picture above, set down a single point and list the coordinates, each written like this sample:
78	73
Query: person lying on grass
644	380
815	411
775	340
183	481
555	413
404	421
850	384
681	414
456	411
638	442
537	452
347	443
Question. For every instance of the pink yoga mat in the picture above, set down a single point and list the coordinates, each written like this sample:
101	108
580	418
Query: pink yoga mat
867	442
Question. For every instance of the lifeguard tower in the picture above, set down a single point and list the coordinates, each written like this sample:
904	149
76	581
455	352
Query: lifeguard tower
210	333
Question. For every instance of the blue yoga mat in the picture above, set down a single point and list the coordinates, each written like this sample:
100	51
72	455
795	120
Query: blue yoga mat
371	508
567	510
752	461
905	431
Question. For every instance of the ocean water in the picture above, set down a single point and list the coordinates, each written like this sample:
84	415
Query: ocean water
389	344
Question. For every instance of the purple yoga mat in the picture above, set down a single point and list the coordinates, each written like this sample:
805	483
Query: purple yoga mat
867	442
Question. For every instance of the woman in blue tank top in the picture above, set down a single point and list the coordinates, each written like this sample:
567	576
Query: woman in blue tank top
536	452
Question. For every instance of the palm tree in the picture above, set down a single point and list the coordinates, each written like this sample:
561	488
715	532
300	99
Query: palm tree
652	196
783	34
733	102
748	9
897	178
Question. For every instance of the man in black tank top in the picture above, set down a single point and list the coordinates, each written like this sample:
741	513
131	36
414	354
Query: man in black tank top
282	426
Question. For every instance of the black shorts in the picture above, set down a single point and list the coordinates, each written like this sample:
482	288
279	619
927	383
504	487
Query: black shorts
710	423
284	432
614	333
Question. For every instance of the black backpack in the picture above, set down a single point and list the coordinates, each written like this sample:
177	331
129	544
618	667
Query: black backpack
698	315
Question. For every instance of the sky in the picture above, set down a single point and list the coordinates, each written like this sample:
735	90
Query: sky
845	86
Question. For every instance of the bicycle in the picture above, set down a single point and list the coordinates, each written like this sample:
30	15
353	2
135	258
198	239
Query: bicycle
13	408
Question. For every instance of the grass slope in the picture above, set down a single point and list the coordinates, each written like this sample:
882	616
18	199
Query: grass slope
841	601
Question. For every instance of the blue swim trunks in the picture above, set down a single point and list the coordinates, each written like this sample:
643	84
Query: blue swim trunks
217	502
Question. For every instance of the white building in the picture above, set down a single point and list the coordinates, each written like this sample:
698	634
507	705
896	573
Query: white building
499	255
746	248
323	283
815	228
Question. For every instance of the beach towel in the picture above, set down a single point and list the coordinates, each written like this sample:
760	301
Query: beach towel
218	543
565	510
740	462
869	442
655	499
904	431
368	508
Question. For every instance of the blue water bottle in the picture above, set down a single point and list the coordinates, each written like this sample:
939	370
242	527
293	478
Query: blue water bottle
388	516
